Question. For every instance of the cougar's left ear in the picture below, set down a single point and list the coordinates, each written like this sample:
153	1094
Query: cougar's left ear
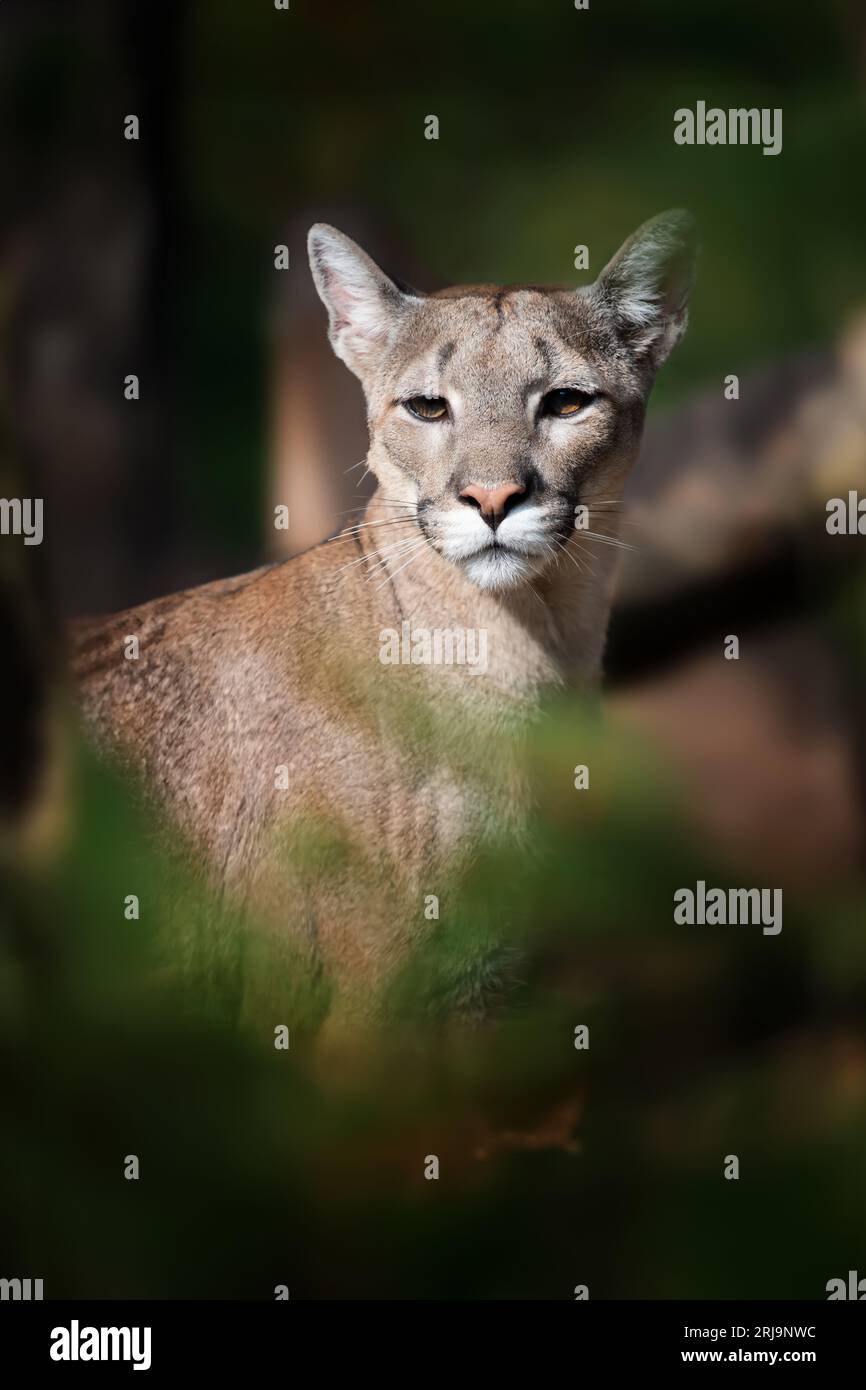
365	308
646	286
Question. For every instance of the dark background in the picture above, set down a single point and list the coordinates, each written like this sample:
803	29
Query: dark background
556	128
156	257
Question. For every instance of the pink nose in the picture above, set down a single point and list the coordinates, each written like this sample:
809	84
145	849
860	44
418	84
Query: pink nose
492	501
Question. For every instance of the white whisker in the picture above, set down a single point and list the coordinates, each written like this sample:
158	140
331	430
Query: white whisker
608	540
408	562
394	554
365	506
368	525
371	555
563	546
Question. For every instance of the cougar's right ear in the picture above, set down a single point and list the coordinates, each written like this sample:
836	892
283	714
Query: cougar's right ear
647	284
365	308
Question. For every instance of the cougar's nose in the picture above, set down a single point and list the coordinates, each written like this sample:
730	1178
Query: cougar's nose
493	503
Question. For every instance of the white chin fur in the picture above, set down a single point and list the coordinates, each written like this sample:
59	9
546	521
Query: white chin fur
524	536
498	569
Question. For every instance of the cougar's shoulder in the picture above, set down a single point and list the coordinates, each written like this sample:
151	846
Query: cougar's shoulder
192	685
115	658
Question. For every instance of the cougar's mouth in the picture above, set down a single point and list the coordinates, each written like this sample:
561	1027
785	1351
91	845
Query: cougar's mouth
498	566
493	558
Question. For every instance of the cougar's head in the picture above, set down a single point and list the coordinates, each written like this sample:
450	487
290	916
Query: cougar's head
503	418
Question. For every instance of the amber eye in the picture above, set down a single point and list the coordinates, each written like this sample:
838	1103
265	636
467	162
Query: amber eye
566	402
427	407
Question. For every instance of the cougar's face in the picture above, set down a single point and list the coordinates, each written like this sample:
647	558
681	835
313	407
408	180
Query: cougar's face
499	414
506	419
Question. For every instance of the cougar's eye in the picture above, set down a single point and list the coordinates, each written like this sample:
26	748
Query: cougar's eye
427	407
567	401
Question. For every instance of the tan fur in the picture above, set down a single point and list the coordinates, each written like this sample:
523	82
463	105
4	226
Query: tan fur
412	766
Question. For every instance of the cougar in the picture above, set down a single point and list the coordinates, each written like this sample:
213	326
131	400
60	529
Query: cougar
503	423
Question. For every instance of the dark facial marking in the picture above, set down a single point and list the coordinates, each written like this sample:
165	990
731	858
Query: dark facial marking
446	352
543	351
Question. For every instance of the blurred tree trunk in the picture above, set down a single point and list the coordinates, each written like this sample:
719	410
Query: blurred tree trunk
88	256
91	249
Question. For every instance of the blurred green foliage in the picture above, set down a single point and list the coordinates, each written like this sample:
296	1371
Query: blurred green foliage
261	1167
